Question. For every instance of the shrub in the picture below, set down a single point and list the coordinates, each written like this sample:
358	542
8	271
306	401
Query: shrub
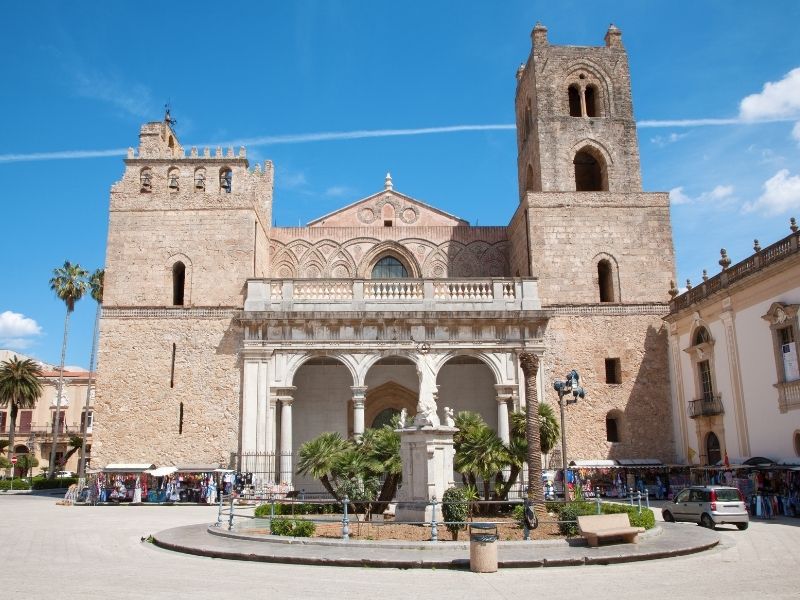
644	519
262	511
292	527
53	484
19	484
455	510
293	508
568	516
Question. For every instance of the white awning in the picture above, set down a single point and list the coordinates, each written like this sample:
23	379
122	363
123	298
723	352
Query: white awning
127	468
162	471
598	463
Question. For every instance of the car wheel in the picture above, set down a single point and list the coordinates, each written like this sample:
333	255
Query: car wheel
742	526
707	521
668	517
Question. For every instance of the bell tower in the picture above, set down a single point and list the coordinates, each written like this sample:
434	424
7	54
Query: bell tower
575	125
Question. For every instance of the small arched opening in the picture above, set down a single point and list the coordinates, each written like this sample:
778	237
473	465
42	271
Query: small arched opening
590	97
589	172
173	180
713	452
146	180
701	336
605	281
613	427
225	180
574	94
389	267
200	180
178	283
529	179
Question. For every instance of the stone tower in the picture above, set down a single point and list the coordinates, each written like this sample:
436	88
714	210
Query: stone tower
600	247
185	233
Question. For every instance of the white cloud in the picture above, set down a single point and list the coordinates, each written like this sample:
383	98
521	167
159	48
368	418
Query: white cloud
721	193
664	140
134	99
337	191
781	193
779	99
17	325
291	180
16	330
676	196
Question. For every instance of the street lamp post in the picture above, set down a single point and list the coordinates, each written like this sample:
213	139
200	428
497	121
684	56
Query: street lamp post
564	388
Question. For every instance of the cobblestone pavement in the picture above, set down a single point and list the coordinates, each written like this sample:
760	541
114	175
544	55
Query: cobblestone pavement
51	551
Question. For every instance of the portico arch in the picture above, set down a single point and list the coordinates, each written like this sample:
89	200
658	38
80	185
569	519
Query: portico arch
466	382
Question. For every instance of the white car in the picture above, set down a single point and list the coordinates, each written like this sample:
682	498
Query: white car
62	474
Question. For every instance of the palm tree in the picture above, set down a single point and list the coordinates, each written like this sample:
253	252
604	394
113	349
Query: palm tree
96	291
318	458
549	429
530	368
69	284
20	388
382	445
480	452
518	445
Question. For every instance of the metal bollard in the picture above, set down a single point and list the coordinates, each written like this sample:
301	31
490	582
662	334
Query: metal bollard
639	499
230	516
630	496
271	509
647	499
219	513
434	529
597	502
345	520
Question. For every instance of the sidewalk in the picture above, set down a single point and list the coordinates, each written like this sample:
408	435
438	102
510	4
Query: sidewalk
665	540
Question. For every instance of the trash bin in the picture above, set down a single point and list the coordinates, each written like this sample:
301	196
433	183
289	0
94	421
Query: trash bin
482	547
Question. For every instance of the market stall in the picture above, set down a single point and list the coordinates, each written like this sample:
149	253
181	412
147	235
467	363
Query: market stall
122	483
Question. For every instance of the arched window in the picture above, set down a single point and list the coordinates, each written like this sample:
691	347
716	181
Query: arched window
225	180
591	98
384	417
178	283
529	179
713	453
612	427
172	180
146	180
574	101
389	268
589	175
605	280
200	180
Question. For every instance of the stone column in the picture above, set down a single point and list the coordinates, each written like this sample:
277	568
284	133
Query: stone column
359	398
262	409
504	394
285	395
249	406
739	413
272	437
530	369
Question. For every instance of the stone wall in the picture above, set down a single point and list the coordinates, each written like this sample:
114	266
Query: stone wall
642	399
137	410
571	232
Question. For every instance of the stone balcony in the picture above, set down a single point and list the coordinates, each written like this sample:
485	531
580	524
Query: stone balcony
706	407
788	395
386	295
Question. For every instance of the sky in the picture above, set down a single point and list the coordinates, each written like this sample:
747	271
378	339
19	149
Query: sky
716	92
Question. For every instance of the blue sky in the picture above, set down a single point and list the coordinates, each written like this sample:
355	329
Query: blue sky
81	77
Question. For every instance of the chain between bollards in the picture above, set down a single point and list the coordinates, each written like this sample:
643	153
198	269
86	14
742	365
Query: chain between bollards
345	520
434	528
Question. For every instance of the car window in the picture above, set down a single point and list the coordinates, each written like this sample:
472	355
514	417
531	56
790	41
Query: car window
696	496
728	495
683	496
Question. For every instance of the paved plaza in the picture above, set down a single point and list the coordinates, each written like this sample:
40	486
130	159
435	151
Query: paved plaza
52	551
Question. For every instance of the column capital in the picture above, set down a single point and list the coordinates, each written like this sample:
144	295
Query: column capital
359	392
285	394
505	392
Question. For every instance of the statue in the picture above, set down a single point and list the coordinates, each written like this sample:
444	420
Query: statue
426	405
401	421
449	421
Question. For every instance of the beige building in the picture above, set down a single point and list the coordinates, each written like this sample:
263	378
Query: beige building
227	340
734	359
34	428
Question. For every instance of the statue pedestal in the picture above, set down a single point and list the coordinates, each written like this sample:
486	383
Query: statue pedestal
427	456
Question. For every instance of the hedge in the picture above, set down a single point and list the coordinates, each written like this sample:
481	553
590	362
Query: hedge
263	511
568	515
292	527
53	484
19	484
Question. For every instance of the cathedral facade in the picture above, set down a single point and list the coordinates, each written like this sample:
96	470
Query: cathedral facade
226	340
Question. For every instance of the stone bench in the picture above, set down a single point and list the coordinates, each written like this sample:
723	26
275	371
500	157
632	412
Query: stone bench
605	527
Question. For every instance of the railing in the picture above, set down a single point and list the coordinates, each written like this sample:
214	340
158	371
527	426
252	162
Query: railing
706	407
43	430
758	261
363	294
788	395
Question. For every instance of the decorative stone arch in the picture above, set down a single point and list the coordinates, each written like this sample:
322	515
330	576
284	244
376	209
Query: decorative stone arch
612	285
491	360
173	179
295	361
389	395
313	264
712	448
436	265
701	349
369	361
389	248
593	74
168	277
529	180
342	259
598	152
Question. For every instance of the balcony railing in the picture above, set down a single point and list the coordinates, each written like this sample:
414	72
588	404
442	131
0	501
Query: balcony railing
788	395
753	264
42	430
706	407
390	294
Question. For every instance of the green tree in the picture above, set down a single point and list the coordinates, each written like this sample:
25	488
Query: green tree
319	456
549	430
69	284
75	443
96	291
480	452
20	388
382	446
26	462
518	444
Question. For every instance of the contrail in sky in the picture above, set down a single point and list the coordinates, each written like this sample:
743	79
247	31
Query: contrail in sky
271	140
